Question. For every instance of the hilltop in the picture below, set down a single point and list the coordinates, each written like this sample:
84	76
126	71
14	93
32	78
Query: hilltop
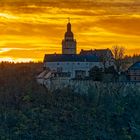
29	111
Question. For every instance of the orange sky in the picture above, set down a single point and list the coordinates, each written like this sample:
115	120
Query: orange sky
31	28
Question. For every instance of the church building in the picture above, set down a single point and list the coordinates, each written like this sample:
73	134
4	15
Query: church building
71	65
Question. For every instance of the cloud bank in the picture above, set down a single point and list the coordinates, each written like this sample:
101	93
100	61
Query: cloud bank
31	28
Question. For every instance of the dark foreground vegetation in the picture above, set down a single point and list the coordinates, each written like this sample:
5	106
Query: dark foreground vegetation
29	112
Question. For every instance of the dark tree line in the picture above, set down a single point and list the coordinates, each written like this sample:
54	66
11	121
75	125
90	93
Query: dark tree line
30	112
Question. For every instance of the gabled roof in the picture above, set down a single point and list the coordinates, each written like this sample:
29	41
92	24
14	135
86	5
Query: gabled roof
87	52
103	52
70	58
97	52
135	66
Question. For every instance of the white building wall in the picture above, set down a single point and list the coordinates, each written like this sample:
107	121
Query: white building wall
72	66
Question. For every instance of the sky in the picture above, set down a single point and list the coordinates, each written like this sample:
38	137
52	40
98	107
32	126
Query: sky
31	28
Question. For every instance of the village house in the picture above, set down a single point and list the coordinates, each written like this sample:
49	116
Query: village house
134	72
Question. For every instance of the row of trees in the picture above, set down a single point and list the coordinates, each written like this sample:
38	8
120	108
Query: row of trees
30	112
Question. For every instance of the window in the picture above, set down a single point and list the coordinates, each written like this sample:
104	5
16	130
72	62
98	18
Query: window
59	69
68	74
80	74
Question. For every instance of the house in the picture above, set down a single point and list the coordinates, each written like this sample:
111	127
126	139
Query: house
134	72
69	64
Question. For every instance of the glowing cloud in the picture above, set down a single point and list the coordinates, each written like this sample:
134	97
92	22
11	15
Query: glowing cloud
32	28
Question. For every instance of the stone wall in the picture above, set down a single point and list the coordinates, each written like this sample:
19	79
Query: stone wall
87	86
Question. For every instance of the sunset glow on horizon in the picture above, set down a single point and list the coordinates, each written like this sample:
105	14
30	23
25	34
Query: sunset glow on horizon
31	28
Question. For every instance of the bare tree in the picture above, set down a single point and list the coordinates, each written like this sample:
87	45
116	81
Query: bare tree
118	52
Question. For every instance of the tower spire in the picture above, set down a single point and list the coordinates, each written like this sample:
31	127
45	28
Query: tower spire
68	19
69	43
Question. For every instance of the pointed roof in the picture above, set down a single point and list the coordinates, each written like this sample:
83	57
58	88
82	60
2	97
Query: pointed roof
135	66
69	33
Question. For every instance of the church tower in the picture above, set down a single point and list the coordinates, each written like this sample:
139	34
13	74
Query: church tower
69	43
